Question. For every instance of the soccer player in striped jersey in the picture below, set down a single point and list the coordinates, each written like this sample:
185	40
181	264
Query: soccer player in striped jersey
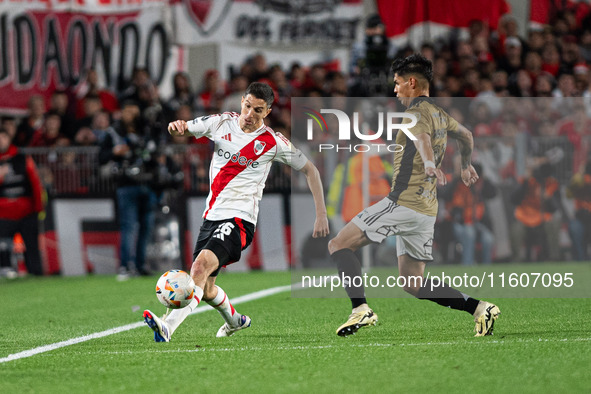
410	209
244	149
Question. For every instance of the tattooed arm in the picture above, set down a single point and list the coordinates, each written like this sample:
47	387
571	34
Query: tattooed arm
466	143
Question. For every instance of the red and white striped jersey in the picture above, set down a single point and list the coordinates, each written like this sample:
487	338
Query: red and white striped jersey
240	165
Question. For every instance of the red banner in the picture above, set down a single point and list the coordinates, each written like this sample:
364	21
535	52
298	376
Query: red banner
542	11
51	45
400	15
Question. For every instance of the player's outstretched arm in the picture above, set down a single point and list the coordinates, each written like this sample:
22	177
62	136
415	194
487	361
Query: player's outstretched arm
466	143
178	127
423	145
315	184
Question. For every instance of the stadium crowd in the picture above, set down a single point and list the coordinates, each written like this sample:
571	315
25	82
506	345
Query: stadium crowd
533	90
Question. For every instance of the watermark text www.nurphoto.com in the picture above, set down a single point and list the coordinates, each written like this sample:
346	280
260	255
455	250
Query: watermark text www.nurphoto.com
492	280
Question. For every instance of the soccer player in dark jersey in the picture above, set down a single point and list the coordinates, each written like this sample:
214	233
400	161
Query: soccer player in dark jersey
410	210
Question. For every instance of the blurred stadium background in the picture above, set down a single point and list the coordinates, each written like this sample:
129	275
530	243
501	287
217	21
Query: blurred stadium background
69	67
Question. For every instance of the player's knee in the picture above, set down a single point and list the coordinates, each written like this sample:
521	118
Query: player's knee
204	264
334	245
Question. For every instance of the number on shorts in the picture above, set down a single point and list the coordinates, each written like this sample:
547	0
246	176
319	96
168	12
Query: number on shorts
223	230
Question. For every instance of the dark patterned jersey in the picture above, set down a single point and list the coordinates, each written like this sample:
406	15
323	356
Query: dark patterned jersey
410	186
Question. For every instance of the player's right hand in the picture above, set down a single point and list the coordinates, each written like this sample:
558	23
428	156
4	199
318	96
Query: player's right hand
436	173
178	127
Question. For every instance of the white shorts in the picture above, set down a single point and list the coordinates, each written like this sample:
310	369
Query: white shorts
414	230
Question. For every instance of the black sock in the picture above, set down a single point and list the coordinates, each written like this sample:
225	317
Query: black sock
447	296
350	266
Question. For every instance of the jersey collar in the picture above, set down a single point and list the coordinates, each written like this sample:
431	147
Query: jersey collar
417	100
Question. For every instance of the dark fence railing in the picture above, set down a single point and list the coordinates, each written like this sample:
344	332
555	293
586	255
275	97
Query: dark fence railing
75	171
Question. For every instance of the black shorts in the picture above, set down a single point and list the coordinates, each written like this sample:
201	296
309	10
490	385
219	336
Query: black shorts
225	238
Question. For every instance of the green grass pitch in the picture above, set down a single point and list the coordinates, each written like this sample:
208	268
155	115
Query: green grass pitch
539	346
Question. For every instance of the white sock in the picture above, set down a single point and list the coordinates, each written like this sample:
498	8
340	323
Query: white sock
177	316
221	302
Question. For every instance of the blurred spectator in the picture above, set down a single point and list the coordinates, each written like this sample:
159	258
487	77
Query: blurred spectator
480	119
536	201
32	123
101	125
470	218
512	60
581	73
59	103
533	64
440	70
535	39
570	54
544	84
211	96
92	86
585	45
477	28
9	124
281	86
238	85
508	28
21	201
551	59
521	84
140	77
315	79
182	95
152	112
89	106
579	227
184	113
259	67
297	77
50	133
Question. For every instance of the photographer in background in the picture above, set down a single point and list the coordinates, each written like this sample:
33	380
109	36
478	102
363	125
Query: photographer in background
131	155
370	59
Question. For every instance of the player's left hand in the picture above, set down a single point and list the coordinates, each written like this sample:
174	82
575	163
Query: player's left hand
321	229
469	176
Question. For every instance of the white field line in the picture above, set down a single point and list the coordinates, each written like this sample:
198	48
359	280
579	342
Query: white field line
202	308
345	344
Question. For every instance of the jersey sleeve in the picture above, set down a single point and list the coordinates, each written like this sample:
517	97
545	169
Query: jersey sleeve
289	154
422	125
204	126
452	124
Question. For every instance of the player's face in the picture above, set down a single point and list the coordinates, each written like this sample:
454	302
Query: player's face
253	111
403	90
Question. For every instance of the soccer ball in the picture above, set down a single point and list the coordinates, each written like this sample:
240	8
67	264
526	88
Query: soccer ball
174	289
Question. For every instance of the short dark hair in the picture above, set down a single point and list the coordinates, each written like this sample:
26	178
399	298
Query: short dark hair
261	91
414	64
